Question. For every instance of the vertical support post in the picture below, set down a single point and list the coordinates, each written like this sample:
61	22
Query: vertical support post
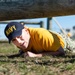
41	24
49	23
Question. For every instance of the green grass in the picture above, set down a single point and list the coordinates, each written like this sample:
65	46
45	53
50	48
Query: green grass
47	65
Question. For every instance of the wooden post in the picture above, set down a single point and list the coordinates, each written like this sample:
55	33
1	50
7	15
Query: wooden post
41	24
49	23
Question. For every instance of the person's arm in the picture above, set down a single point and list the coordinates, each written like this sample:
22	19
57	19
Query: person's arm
59	52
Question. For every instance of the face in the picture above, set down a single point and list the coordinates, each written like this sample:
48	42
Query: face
22	41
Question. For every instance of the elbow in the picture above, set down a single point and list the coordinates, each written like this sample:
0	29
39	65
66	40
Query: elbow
61	51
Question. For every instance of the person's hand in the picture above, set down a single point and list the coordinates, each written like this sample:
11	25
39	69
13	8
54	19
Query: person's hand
30	54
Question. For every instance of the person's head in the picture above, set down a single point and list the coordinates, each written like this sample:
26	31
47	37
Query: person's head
17	34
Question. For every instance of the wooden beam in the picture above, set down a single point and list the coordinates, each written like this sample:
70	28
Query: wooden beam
24	9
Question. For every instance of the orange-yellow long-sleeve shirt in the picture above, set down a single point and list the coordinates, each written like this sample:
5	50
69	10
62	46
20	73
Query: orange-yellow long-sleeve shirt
43	40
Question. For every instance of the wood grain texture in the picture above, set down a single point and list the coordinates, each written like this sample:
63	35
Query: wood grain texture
23	9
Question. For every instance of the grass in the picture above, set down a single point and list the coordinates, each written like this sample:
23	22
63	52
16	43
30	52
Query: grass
47	65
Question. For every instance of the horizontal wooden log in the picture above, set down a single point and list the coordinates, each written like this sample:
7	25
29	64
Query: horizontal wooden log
24	9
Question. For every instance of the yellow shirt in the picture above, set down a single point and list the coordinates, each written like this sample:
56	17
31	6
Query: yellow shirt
43	40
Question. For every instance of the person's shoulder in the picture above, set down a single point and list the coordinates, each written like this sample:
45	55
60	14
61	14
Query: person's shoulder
37	29
42	29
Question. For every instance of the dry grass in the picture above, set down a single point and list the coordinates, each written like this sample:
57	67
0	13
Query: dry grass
47	65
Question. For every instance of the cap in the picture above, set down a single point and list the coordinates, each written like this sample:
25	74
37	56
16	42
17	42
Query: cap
13	29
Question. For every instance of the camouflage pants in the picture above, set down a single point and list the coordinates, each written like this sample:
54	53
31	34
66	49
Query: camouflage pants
69	43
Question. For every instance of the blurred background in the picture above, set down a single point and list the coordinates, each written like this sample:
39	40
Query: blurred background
67	23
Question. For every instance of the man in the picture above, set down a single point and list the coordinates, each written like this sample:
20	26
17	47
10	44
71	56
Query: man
34	42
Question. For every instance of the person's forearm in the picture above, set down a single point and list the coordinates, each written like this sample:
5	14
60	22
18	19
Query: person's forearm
49	53
59	52
30	54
